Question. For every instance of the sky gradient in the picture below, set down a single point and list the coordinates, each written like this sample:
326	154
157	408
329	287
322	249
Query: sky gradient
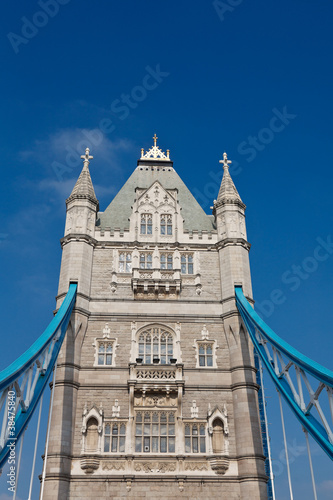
252	79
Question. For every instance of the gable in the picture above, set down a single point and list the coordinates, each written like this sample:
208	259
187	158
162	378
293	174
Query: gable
118	213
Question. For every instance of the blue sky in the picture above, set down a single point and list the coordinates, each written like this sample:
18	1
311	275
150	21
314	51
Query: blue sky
254	79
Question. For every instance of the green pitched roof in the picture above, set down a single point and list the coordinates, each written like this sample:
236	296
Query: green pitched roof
119	211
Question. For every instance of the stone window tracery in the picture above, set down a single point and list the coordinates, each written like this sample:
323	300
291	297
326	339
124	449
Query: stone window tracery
155	432
166	224
105	351
146	226
186	261
146	260
155	344
125	262
114	437
205	350
195	438
206	354
166	261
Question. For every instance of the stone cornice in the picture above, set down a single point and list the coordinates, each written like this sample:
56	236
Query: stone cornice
78	237
233	242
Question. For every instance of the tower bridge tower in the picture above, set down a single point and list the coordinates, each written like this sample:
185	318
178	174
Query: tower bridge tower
155	393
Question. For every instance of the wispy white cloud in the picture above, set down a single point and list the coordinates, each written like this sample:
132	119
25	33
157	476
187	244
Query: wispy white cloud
326	486
67	145
4	496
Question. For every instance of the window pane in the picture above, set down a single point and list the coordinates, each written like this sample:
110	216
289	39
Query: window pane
183	259
138	429
122	444
201	350
195	445
201	360
209	349
114	444
190	259
107	429
171	429
183	268
162	229
155	417
109	359
146	444
187	430
149	229
195	430
148	359
147	430
163	359
128	267
137	444
139	417
155	444
141	348
143	229
202	445
202	430
107	443
209	360
187	445
101	348
163	417
121	267
169	229
155	430
115	429
163	429
190	269
171	417
163	445
171	445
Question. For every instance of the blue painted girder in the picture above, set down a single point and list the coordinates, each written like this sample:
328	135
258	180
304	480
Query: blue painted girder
252	323
55	330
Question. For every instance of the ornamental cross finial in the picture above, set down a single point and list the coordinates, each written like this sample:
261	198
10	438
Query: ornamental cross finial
155	139
86	157
225	161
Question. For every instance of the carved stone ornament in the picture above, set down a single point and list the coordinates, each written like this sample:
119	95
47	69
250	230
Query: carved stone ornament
219	464
155	467
113	465
89	465
192	466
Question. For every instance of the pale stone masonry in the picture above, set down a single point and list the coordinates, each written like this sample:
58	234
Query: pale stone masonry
155	394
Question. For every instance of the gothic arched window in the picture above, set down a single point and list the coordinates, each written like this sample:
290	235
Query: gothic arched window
195	438
155	345
114	437
166	224
146	226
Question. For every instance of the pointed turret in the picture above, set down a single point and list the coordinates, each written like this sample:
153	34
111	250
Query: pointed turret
82	207
228	192
84	187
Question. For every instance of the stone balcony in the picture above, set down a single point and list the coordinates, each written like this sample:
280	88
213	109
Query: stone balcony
156	281
156	373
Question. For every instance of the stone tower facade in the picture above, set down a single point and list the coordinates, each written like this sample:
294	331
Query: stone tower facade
155	393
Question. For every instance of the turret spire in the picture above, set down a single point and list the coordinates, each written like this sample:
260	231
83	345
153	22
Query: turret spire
84	187
228	191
